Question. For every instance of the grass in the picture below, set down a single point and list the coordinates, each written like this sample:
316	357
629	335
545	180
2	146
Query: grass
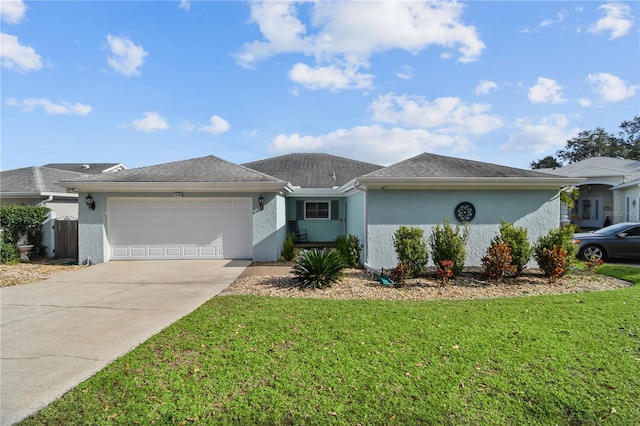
570	359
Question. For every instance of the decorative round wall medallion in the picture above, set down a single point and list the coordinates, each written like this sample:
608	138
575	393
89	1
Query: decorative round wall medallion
465	212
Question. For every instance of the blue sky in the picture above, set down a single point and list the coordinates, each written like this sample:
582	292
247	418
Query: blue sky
144	82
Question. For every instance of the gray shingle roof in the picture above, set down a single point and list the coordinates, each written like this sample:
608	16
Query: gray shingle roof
600	166
438	166
35	180
312	170
93	168
203	169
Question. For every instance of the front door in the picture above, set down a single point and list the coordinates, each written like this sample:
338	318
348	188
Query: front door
590	212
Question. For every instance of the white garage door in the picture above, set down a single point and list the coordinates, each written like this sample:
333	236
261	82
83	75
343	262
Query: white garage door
181	228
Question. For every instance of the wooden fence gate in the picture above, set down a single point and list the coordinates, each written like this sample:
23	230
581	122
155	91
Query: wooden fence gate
66	238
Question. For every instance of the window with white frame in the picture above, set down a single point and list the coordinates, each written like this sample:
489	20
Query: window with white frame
317	210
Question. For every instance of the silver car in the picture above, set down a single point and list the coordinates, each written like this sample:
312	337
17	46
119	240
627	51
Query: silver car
621	240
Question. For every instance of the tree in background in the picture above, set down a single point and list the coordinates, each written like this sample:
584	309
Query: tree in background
548	162
597	143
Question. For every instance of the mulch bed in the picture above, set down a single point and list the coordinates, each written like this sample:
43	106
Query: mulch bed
276	280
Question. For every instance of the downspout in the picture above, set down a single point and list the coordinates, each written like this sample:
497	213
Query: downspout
48	200
365	237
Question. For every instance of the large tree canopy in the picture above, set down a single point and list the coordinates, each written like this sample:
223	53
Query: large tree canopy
597	143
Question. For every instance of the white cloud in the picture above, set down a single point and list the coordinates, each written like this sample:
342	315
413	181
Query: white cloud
185	4
217	126
617	20
611	88
374	144
12	11
550	21
447	115
546	90
331	77
349	32
485	86
50	108
16	56
152	121
549	133
584	102
126	58
405	72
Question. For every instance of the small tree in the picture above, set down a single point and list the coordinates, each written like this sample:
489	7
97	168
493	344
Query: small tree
288	248
448	243
411	248
518	242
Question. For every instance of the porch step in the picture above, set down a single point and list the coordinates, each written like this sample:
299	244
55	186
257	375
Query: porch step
318	245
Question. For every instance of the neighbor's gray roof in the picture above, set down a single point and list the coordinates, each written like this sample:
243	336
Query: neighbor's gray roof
93	168
600	166
438	166
311	170
35	180
203	169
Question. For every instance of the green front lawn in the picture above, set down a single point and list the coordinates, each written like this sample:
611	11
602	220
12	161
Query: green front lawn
570	359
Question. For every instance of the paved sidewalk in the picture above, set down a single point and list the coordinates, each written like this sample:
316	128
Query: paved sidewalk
59	332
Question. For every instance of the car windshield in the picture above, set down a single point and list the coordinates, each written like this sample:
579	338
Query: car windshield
612	230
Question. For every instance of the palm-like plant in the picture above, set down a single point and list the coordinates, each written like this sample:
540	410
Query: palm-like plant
318	268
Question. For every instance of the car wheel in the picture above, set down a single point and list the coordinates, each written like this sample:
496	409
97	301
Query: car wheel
593	252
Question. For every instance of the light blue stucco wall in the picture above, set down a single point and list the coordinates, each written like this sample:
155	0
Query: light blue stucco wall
538	211
93	234
355	217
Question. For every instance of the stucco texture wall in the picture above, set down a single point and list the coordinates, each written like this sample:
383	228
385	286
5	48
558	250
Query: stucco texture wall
538	211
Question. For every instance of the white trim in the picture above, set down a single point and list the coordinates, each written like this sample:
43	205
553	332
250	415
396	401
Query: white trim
465	183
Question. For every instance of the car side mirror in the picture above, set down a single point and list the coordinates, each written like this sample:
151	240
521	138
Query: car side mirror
622	235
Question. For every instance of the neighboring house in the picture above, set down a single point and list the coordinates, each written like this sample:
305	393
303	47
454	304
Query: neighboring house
208	208
609	191
40	186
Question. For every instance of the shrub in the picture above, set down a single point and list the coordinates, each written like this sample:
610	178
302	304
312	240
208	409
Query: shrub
498	261
349	248
553	262
411	248
562	238
318	268
444	270
518	241
448	243
288	248
400	273
592	263
16	220
8	253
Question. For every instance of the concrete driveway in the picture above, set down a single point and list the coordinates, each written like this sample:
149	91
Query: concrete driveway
59	332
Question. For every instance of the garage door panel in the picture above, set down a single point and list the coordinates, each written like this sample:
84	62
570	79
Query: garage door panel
180	229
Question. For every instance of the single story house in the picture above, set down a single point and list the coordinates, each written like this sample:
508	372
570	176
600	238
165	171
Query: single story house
209	208
609	191
40	186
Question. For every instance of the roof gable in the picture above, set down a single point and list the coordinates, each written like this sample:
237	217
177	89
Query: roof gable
313	170
438	166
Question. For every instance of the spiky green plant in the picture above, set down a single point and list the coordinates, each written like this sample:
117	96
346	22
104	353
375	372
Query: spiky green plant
318	268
